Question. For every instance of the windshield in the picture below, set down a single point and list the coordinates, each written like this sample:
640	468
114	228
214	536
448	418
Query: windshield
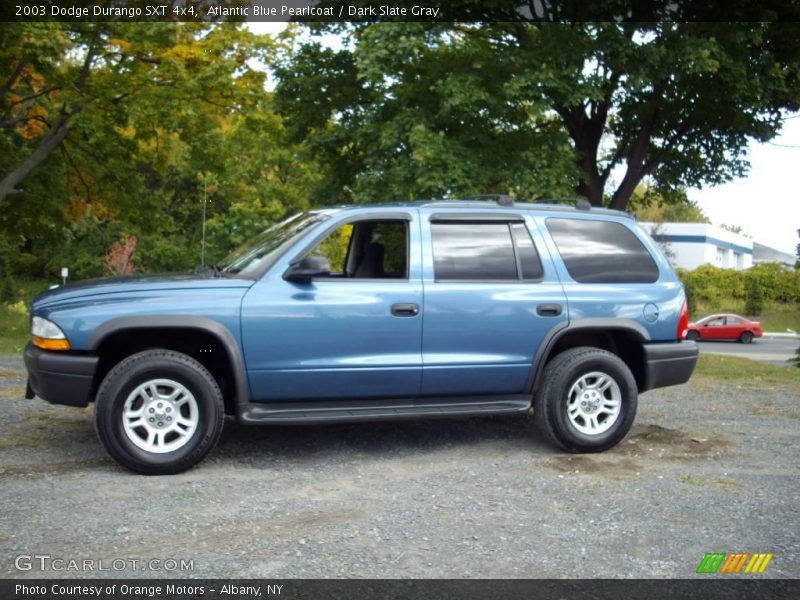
252	259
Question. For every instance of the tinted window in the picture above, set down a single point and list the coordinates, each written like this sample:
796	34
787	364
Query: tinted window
473	251
602	252
529	262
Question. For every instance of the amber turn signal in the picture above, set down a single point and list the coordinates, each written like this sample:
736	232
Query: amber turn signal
46	344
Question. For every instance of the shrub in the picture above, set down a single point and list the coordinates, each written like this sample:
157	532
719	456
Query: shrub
755	298
7	291
715	287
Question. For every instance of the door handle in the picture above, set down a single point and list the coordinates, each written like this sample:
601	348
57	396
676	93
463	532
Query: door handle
405	310
548	310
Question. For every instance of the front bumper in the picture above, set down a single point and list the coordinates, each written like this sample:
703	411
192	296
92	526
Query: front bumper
668	364
58	377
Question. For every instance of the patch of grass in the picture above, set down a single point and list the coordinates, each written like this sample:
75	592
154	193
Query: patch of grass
732	369
13	331
777	317
14	323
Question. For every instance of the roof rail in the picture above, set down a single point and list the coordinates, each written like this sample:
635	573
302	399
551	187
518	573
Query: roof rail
579	203
501	199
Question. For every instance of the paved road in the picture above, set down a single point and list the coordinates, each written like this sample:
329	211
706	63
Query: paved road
771	350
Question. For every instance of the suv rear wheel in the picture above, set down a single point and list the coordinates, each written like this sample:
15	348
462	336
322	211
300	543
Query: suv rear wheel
587	401
159	412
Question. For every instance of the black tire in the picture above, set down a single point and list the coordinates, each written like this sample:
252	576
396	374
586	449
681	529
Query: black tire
746	337
692	336
148	366
550	403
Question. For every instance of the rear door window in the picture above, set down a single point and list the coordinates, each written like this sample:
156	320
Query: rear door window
473	251
484	251
602	251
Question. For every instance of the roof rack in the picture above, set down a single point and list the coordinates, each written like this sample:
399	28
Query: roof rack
501	199
579	203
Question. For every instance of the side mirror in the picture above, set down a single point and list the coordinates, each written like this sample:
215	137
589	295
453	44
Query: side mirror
307	268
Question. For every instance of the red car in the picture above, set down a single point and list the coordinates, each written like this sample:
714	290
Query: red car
724	327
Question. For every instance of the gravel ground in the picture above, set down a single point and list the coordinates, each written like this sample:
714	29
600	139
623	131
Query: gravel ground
707	468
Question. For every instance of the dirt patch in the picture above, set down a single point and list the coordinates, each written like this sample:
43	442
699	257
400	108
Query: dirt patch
672	443
10	373
640	452
718	482
769	411
605	465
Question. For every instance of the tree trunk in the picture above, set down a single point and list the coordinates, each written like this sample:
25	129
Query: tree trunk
592	191
49	142
54	136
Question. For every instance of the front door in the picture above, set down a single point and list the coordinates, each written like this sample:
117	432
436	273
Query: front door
355	333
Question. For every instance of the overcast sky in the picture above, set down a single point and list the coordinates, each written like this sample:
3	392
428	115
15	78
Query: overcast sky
765	204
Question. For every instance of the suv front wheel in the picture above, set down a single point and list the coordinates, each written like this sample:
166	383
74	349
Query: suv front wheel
587	401
159	412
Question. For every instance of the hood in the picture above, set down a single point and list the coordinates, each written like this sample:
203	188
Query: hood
91	288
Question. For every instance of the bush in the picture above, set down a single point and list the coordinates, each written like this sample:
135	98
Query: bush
776	283
714	287
711	285
755	297
8	293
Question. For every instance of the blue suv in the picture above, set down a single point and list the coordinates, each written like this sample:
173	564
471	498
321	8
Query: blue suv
362	313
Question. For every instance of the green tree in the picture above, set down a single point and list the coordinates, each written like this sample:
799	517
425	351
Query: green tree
647	204
159	105
411	109
402	118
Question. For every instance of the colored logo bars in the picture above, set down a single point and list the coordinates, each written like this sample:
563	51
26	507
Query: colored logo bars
719	562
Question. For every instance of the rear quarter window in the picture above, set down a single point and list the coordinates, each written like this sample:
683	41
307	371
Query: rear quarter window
602	251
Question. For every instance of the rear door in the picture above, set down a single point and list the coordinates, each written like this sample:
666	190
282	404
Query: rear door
733	327
490	299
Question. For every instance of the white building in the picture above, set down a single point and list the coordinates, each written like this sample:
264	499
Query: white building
762	254
695	244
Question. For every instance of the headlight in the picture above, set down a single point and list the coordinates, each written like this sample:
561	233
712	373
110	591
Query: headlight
47	335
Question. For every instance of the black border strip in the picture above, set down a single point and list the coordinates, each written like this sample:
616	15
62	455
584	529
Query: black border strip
432	11
706	587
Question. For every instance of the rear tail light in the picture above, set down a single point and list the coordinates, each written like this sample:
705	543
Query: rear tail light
683	321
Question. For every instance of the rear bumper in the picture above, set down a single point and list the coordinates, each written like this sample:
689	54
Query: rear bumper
668	364
59	378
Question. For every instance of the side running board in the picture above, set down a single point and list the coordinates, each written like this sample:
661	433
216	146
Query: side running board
337	411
